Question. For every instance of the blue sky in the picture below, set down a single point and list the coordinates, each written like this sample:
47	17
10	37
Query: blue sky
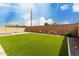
20	13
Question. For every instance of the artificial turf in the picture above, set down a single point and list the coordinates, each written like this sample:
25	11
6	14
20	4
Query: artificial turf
34	45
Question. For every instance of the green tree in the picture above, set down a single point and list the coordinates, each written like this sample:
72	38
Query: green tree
45	24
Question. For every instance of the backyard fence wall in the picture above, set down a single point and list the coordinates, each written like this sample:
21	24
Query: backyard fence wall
54	29
78	29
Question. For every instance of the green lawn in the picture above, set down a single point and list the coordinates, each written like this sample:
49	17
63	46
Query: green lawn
34	45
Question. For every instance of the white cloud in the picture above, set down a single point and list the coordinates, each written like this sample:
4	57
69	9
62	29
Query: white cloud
43	20
64	7
28	22
13	23
27	16
75	7
38	22
35	22
26	7
65	22
44	8
4	5
50	21
4	9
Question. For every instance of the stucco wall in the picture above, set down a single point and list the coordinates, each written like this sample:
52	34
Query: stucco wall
10	30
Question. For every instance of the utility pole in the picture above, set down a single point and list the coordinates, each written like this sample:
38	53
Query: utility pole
31	17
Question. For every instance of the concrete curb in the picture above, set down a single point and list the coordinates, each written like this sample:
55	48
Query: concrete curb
69	52
44	34
11	34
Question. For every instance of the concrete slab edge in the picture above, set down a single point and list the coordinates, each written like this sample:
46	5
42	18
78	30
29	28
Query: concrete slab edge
69	52
2	52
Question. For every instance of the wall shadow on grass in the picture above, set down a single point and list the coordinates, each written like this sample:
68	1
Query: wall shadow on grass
64	48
